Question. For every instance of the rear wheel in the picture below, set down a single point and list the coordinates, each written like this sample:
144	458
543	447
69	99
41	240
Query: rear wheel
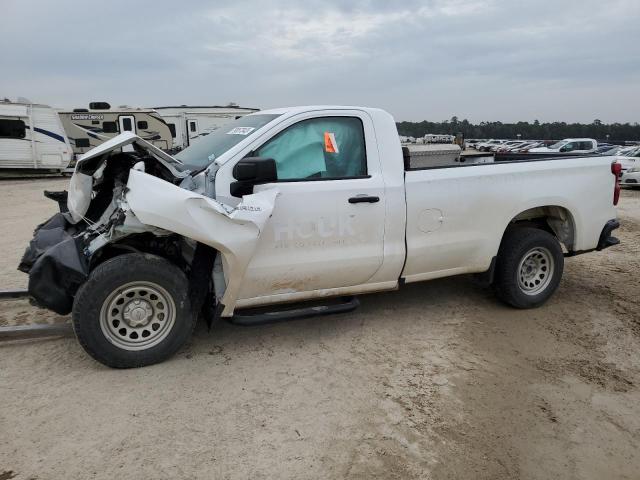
133	311
529	267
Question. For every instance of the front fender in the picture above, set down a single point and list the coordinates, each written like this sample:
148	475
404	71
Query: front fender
234	232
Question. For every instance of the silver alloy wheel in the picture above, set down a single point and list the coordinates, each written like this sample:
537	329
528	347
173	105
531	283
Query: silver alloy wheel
535	270
137	315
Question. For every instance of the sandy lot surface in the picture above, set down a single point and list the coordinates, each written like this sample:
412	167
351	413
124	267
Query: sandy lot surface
438	380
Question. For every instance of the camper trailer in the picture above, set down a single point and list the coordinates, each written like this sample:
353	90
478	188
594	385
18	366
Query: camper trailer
88	128
189	123
32	137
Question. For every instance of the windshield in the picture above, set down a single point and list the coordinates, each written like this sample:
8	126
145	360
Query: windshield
201	154
558	145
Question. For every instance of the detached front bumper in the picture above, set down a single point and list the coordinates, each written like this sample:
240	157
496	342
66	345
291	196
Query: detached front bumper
55	264
606	239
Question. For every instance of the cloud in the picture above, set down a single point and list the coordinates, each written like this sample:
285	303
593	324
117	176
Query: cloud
480	59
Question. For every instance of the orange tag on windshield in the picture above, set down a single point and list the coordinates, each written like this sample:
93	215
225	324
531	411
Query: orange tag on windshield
330	144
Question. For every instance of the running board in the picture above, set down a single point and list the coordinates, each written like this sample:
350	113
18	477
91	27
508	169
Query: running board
249	320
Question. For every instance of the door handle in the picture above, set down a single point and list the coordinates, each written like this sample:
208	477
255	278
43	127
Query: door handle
364	199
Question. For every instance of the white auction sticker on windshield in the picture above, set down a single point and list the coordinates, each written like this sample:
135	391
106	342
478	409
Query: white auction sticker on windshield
240	131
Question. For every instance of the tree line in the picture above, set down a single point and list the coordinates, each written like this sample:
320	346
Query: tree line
538	131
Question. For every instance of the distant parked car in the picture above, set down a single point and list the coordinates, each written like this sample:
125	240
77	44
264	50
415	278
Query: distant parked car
569	145
512	146
486	146
618	151
630	159
603	147
528	146
504	146
609	150
631	178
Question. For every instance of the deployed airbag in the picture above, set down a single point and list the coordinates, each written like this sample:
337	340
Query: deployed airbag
57	274
55	264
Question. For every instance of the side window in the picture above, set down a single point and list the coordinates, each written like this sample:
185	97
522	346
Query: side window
192	126
326	147
569	147
82	143
12	128
109	127
142	124
172	129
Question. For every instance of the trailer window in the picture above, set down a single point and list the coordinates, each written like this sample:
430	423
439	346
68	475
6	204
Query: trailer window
82	143
12	128
109	127
192	126
172	129
321	148
143	125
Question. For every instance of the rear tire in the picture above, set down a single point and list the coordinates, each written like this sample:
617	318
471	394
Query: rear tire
133	311
529	267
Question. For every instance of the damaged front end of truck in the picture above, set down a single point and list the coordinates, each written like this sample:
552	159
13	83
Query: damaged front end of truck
143	201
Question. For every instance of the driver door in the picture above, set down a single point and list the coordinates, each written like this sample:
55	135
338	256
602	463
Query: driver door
327	226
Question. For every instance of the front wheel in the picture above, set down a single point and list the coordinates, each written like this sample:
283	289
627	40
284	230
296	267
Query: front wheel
133	311
529	267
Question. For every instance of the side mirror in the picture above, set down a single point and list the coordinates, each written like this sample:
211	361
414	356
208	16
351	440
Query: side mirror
251	171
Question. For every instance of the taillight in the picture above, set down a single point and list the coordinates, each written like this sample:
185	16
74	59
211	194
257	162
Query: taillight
616	169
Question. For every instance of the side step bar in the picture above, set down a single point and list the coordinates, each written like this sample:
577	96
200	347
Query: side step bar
248	320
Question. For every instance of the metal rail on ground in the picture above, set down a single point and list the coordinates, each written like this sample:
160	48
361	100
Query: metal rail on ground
36	330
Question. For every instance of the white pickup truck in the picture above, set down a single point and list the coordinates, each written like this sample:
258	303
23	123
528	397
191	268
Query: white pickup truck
291	205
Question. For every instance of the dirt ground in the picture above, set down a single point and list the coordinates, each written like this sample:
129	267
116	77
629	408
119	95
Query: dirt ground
435	381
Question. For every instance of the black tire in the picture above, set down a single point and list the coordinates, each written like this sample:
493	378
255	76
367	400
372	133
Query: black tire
513	283
107	284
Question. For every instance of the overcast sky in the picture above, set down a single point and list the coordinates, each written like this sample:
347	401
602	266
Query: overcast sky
507	60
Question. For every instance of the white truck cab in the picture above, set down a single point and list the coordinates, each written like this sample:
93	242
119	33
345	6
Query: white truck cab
569	145
299	204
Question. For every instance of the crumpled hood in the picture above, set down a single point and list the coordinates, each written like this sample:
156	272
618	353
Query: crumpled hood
88	168
118	197
124	139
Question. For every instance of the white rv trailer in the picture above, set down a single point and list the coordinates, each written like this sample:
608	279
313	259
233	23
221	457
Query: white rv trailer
88	128
32	137
189	123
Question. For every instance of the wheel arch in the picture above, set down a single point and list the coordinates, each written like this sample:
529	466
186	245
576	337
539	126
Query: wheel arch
195	259
168	247
555	219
